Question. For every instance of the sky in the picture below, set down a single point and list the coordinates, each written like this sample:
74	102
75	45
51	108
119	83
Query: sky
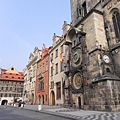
26	24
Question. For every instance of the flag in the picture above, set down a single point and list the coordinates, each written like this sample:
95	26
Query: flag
51	62
61	57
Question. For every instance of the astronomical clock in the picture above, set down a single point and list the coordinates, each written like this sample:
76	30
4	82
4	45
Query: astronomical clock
76	58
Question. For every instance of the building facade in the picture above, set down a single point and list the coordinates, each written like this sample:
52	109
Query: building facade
42	81
93	65
56	68
25	95
11	86
30	76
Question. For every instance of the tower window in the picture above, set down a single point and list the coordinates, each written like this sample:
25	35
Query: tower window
108	70
84	8
116	23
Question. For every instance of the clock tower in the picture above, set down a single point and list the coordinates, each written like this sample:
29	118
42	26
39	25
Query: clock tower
90	66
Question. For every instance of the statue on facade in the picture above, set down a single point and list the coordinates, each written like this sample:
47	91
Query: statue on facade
79	11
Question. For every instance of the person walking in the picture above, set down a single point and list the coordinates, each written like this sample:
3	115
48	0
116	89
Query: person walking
19	104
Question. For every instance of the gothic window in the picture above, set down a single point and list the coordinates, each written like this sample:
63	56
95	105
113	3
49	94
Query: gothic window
116	23
79	11
84	8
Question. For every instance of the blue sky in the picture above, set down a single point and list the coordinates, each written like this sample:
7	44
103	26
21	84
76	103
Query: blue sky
25	24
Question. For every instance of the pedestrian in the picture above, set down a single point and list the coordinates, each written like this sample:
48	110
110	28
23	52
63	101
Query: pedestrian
19	104
5	105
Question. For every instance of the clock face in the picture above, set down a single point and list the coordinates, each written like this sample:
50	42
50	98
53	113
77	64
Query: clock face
76	57
106	59
77	81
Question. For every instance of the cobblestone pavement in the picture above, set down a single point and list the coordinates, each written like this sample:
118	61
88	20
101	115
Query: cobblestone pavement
54	113
105	116
78	114
11	113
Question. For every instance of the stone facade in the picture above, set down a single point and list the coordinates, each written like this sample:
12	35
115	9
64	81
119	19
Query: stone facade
92	69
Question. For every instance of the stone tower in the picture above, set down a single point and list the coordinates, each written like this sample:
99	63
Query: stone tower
94	45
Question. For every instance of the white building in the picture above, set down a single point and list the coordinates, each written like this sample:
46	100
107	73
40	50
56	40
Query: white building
56	69
30	76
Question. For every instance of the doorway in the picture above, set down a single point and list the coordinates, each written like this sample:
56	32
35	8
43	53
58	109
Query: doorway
43	99
52	98
32	97
39	100
79	102
4	102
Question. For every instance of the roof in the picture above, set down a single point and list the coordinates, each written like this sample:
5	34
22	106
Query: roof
10	79
11	75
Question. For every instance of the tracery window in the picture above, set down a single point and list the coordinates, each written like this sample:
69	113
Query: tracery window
116	23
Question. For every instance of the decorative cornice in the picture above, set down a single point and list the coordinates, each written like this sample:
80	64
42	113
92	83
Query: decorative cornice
106	77
63	40
33	60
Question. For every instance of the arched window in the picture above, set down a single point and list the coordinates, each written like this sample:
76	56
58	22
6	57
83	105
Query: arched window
116	23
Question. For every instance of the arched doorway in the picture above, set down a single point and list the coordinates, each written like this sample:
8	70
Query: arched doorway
43	99
32	97
52	98
4	102
79	102
39	99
